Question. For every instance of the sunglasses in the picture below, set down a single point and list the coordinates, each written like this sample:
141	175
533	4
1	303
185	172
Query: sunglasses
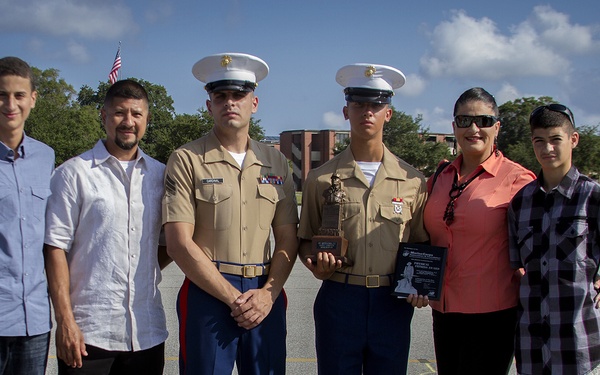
554	107
482	121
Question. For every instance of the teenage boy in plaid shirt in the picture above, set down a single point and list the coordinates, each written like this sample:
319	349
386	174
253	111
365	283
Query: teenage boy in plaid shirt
554	239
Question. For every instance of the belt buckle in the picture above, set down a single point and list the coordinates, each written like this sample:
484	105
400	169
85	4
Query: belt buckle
249	271
372	281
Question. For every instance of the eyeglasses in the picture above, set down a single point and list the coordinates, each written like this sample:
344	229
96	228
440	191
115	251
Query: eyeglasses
554	107
482	121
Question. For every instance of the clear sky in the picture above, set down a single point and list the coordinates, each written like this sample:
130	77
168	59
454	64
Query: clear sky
512	48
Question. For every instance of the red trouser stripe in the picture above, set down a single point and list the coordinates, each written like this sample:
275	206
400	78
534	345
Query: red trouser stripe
183	310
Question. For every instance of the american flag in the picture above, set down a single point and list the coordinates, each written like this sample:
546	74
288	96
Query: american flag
114	72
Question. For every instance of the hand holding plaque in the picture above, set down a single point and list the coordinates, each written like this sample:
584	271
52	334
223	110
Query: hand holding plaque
330	237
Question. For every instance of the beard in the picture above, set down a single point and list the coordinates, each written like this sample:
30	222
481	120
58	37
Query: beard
124	145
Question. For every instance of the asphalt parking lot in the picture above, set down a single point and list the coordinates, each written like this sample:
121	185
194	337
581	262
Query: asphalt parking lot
301	289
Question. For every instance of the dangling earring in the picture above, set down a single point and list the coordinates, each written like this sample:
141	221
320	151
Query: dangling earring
496	151
455	150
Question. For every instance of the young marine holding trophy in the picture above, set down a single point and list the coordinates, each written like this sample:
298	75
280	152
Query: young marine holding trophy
356	209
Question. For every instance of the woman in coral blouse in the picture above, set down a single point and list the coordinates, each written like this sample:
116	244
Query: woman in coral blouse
474	321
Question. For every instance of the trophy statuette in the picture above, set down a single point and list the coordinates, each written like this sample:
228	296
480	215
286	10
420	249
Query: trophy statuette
330	237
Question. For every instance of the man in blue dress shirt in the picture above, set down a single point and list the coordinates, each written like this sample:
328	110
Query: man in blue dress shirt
25	169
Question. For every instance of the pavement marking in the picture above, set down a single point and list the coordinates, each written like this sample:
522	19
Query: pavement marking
421	360
430	368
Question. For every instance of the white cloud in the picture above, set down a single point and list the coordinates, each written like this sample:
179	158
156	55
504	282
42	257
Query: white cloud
414	86
87	19
557	32
507	93
333	120
475	48
437	120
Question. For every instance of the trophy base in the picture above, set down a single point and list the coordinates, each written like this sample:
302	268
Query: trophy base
336	245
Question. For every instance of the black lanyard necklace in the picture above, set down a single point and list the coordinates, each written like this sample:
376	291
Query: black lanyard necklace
456	192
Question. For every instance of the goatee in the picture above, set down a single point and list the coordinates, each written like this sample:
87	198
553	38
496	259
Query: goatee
123	144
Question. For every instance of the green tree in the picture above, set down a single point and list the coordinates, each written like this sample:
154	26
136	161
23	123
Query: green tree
183	129
89	97
523	154
407	138
586	156
58	120
161	105
256	131
75	131
53	89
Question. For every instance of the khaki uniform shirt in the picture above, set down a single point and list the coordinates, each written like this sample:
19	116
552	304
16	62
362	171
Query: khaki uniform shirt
372	224
232	208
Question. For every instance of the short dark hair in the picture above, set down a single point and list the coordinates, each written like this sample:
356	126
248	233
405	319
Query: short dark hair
127	89
477	94
545	118
14	66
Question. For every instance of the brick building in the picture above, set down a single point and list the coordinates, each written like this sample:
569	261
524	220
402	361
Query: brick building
307	149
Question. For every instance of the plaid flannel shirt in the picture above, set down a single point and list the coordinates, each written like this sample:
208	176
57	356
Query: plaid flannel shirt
555	236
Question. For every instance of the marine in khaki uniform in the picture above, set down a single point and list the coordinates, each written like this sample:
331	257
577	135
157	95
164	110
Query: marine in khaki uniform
360	327
224	193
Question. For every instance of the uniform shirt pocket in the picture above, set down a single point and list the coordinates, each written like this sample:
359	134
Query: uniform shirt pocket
213	206
391	226
350	210
351	220
268	195
390	213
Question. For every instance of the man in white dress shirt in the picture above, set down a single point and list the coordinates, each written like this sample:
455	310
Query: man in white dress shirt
103	225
